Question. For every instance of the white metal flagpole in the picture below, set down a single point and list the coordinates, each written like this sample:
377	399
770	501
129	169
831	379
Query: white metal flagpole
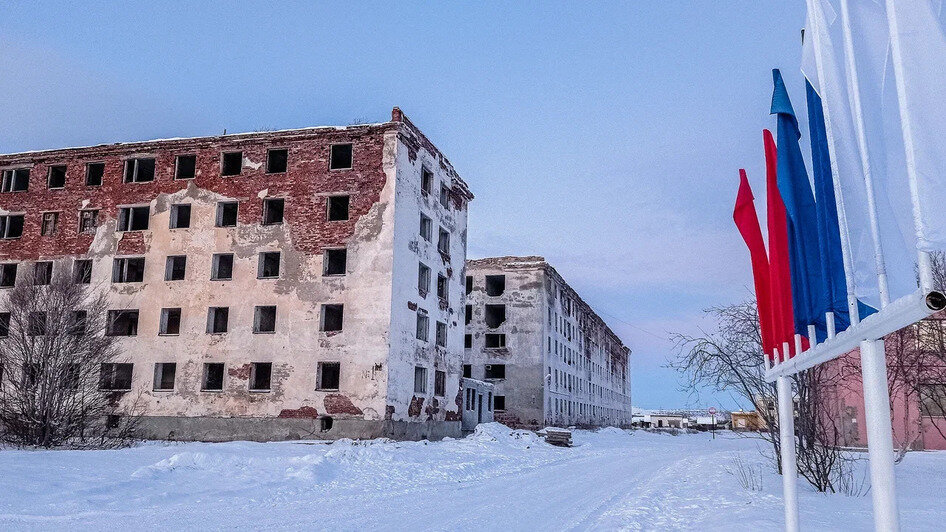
879	436
786	428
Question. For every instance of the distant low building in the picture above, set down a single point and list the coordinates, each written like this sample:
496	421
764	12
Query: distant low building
747	421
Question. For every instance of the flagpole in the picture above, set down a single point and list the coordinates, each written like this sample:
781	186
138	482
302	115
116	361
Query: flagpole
786	428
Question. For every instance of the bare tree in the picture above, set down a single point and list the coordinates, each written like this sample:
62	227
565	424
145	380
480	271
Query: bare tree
52	355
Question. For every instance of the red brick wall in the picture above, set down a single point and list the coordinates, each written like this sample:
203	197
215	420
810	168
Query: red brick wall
307	177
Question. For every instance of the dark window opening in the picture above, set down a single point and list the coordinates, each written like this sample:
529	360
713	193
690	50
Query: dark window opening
426	227
441	334
277	161
443	288
261	374
122	323
222	267
495	285
36	324
495	341
426	180
217	320
338	208
443	242
50	224
42	273
94	172
133	218
264	319
88	221
115	377
469	284
180	216
82	271
11	226
128	270
56	177
420	379
170	321
495	315
495	371
164	373
325	423
468	371
273	209
70	375
499	402
185	167
139	170
213	377
7	275
231	163
423	279
440	383
16	180
227	213
175	268
332	317
336	261
268	265
423	324
329	375
468	341
4	324
444	196
341	157
469	314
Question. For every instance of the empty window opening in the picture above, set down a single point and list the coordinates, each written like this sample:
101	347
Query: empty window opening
217	320
441	334
469	284
7	275
16	180
332	317
326	423
426	180
222	267
443	288
11	226
341	157
115	377
56	177
133	218
495	315
227	213
80	322
185	167
139	170
261	374
495	341
468	371
423	279
440	383
94	172
88	220
175	268
4	324
268	265
423	324
212	380
495	285
36	324
70	375
443	242
170	322
336	261
444	196
499	402
329	375
128	270
338	208
468	341
122	322
495	371
426	227
231	163
469	314
50	224
420	379
273	209
42	273
180	216
164	373
264	319
277	161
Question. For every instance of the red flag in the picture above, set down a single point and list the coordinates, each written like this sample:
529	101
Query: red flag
747	221
783	319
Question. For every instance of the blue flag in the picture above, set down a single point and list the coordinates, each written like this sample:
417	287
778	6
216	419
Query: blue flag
810	293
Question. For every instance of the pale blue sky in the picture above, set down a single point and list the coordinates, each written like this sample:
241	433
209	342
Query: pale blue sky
604	136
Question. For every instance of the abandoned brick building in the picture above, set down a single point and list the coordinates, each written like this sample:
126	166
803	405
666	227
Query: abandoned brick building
551	359
302	283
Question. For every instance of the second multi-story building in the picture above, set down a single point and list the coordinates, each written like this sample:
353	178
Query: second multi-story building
290	284
551	358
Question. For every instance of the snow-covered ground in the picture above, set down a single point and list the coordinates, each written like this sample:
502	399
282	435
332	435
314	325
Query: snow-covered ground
496	479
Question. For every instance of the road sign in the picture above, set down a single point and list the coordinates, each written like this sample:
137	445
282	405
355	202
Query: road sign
712	411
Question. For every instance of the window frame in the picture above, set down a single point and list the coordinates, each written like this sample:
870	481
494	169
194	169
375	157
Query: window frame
49	176
135	161
223	162
331	156
165	318
177	166
258	319
269	153
215	266
261	264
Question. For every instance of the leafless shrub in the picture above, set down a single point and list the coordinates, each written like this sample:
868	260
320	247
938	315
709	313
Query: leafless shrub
748	475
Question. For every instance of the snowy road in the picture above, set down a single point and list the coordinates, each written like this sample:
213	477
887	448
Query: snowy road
494	480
